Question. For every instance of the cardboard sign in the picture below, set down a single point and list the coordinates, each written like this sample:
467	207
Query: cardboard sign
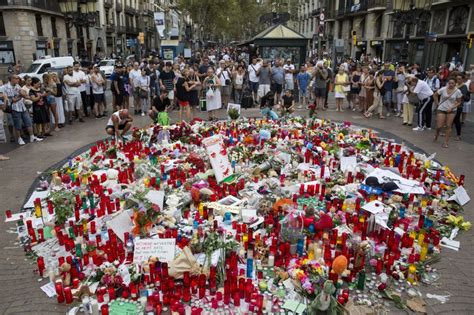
162	248
218	157
120	224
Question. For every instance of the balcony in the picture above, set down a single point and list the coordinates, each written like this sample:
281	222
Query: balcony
108	4
132	30
130	10
34	4
376	5
121	29
110	28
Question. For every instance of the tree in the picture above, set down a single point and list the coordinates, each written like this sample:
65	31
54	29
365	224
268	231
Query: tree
225	20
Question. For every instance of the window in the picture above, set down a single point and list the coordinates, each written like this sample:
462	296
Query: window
2	26
378	26
39	27
53	26
44	68
7	55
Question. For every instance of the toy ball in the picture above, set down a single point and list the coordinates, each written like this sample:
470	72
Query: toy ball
339	264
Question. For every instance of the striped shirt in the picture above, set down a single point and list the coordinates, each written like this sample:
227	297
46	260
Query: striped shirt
14	91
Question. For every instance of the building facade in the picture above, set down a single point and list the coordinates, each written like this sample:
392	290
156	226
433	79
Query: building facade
353	28
30	30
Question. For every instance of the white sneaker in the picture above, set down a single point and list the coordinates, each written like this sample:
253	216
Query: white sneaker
417	129
36	139
143	114
427	128
20	141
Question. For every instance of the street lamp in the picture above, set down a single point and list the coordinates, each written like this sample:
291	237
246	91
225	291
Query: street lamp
409	13
80	13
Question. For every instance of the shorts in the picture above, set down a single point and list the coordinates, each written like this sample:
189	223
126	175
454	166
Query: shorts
99	98
136	92
73	102
254	86
183	103
303	92
340	95
21	119
263	89
387	97
51	100
277	88
225	90
319	92
120	127
289	84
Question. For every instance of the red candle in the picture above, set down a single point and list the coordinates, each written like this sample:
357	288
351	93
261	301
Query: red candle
104	309
59	291
68	295
41	267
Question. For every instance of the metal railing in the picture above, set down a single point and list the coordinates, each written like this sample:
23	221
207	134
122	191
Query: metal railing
39	4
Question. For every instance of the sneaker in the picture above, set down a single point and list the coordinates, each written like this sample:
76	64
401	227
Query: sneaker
20	141
429	128
36	139
143	114
417	129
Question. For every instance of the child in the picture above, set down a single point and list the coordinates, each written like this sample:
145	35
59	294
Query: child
302	81
266	105
288	103
159	109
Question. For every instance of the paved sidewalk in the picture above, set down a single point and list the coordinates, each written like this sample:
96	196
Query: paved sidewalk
21	289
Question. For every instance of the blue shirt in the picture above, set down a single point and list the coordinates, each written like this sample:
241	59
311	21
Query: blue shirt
303	80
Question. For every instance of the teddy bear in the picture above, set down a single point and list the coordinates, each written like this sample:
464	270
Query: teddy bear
325	301
65	272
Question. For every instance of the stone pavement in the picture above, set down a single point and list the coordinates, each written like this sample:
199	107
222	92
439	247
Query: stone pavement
21	288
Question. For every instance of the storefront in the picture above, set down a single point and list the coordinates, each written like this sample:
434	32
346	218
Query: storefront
360	49
377	46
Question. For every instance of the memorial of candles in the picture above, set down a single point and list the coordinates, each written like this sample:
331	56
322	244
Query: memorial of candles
242	217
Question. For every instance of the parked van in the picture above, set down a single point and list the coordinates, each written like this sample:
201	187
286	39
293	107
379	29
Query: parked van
46	64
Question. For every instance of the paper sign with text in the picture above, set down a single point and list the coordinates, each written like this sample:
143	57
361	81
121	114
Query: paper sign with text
162	248
218	157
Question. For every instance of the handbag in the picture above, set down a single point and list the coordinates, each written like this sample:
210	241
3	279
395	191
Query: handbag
346	88
210	93
7	108
203	105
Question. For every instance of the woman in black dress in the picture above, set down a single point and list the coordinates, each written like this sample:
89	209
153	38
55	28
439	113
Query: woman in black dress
40	111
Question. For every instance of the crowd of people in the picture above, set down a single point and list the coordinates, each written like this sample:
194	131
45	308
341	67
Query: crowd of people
209	81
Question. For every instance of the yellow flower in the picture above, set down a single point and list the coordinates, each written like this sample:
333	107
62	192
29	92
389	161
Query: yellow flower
451	219
323	144
466	226
340	136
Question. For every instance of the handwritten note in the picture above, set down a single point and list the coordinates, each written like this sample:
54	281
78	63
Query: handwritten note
218	157
348	163
49	289
156	197
123	308
162	248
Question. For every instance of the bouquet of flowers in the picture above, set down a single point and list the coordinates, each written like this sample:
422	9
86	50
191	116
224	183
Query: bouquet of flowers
308	276
144	218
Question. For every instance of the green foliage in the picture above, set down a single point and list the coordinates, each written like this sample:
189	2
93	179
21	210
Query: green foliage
63	202
225	19
233	113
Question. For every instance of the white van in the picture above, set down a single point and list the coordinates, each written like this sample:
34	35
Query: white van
43	65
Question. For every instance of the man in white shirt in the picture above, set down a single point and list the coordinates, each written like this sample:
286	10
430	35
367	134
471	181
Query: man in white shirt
81	77
134	74
225	76
289	71
73	95
252	69
423	109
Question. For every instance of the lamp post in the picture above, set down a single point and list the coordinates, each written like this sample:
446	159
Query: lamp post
408	12
79	13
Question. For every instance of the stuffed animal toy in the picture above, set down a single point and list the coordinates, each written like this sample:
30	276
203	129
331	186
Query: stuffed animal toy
325	301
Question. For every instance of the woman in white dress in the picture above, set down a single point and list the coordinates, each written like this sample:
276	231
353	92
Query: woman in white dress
213	93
